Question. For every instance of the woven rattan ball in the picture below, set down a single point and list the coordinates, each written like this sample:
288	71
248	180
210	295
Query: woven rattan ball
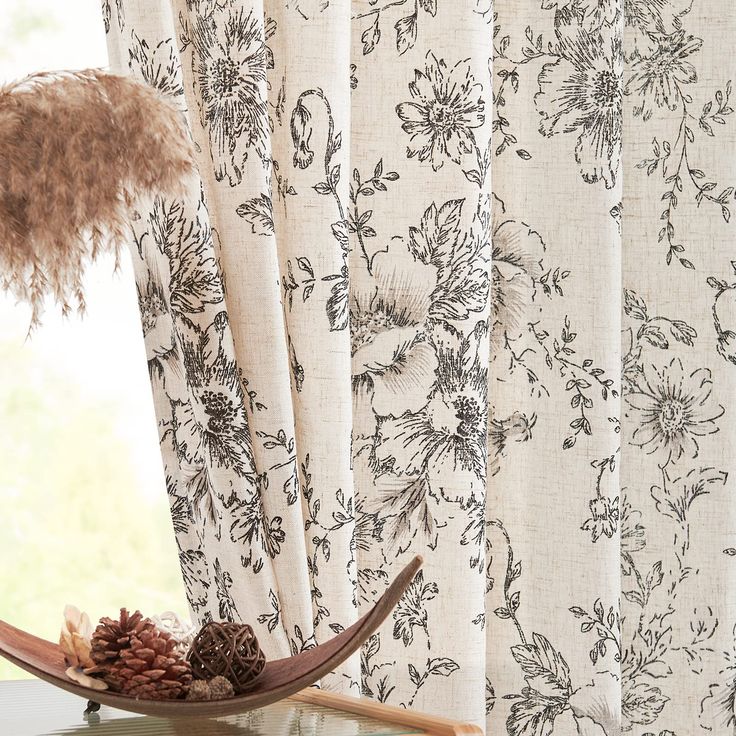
230	651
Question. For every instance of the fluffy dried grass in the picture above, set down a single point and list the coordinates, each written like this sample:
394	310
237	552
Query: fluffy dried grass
77	149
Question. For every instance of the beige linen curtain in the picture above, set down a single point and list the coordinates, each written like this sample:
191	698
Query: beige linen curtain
456	280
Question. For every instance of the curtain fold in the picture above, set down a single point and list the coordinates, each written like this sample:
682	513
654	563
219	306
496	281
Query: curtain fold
455	280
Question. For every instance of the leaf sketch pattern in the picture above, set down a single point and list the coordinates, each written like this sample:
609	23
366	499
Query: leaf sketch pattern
424	298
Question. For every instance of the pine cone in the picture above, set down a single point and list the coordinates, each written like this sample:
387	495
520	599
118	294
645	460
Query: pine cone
111	637
150	668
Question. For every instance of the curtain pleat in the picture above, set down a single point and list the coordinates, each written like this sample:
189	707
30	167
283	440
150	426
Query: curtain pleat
308	208
419	279
554	371
455	280
677	511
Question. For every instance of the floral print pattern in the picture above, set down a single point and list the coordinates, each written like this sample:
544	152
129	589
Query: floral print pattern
454	281
580	92
446	106
657	79
394	365
672	410
229	74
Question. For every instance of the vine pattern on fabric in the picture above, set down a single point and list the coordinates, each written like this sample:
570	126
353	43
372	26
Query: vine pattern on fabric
470	346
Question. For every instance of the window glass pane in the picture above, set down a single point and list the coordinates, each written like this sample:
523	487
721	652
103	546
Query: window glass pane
83	511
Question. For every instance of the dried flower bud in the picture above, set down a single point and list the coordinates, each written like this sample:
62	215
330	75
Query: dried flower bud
75	640
301	133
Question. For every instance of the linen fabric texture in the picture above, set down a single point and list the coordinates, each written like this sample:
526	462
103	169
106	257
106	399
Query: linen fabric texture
455	280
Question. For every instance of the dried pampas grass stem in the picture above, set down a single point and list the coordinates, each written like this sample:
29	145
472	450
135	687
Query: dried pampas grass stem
77	149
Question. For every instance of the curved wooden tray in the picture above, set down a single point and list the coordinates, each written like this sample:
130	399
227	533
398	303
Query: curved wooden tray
280	678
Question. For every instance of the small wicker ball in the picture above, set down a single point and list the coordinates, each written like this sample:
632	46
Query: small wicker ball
227	650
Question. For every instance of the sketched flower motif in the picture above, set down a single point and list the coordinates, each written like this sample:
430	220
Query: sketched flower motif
260	535
179	280
450	434
604	517
560	6
580	93
158	66
185	238
153	306
229	66
393	363
516	265
219	409
446	106
646	20
633	534
411	612
595	706
227	611
203	432
718	707
213	424
301	134
195	574
673	409
597	13
591	14
656	79
518	427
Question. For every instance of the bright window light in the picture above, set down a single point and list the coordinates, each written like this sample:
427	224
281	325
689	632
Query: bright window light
83	510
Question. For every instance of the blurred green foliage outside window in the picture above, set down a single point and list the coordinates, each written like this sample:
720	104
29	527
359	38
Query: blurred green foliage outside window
83	512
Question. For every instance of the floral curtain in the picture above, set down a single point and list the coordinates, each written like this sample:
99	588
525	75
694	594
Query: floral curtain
455	280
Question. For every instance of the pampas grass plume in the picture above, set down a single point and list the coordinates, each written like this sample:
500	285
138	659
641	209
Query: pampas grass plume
77	149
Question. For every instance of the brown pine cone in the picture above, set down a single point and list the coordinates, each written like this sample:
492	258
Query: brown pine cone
149	668
111	637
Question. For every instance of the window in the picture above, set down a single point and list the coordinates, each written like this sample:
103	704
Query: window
83	511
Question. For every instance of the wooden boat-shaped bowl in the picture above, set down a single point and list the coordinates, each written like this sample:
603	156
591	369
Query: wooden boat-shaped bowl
280	678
